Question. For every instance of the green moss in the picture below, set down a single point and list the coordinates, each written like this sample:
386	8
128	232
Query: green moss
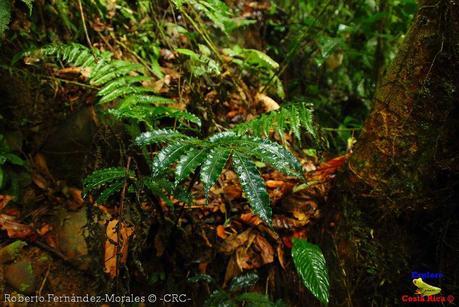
11	251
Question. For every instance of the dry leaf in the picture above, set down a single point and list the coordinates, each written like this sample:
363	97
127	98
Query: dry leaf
232	270
251	219
14	229
266	250
117	236
275	183
4	200
281	255
268	103
232	242
221	233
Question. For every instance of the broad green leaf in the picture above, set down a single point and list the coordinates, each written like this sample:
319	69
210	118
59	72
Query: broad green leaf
188	163
159	136
310	264
253	186
167	156
243	281
213	166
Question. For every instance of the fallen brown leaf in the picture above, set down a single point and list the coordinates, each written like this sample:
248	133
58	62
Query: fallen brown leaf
4	200
116	246
221	233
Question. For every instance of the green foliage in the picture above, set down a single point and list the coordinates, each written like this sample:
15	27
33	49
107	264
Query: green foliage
5	15
234	296
119	81
7	157
293	118
243	281
201	64
221	16
310	264
110	181
259	64
212	154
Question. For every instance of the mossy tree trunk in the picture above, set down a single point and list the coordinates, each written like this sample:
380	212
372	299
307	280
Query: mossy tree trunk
399	189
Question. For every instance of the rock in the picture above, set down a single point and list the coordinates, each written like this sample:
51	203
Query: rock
10	252
67	146
71	235
20	276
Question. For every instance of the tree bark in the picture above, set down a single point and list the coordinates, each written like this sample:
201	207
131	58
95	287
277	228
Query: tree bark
403	173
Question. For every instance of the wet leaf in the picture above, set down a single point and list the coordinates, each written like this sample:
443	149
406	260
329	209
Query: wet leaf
254	187
213	167
243	281
310	264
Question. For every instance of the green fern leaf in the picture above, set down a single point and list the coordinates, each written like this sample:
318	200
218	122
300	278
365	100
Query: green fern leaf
243	281
253	186
188	163
144	99
109	191
279	157
123	91
159	136
118	72
213	166
157	186
120	82
104	176
310	264
167	156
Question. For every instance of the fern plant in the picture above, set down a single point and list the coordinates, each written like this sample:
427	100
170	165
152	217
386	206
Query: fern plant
119	81
109	182
211	156
292	118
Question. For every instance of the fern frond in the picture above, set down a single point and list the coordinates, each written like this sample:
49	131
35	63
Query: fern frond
289	119
213	166
119	81
253	186
159	136
167	156
189	162
103	176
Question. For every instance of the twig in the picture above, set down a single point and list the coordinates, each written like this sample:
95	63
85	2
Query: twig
80	6
44	280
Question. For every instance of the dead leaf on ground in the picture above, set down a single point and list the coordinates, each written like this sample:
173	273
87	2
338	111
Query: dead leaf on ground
14	229
221	233
4	200
248	259
268	103
281	255
265	248
251	219
232	270
232	242
118	235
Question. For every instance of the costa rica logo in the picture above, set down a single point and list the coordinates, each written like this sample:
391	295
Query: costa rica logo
424	288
